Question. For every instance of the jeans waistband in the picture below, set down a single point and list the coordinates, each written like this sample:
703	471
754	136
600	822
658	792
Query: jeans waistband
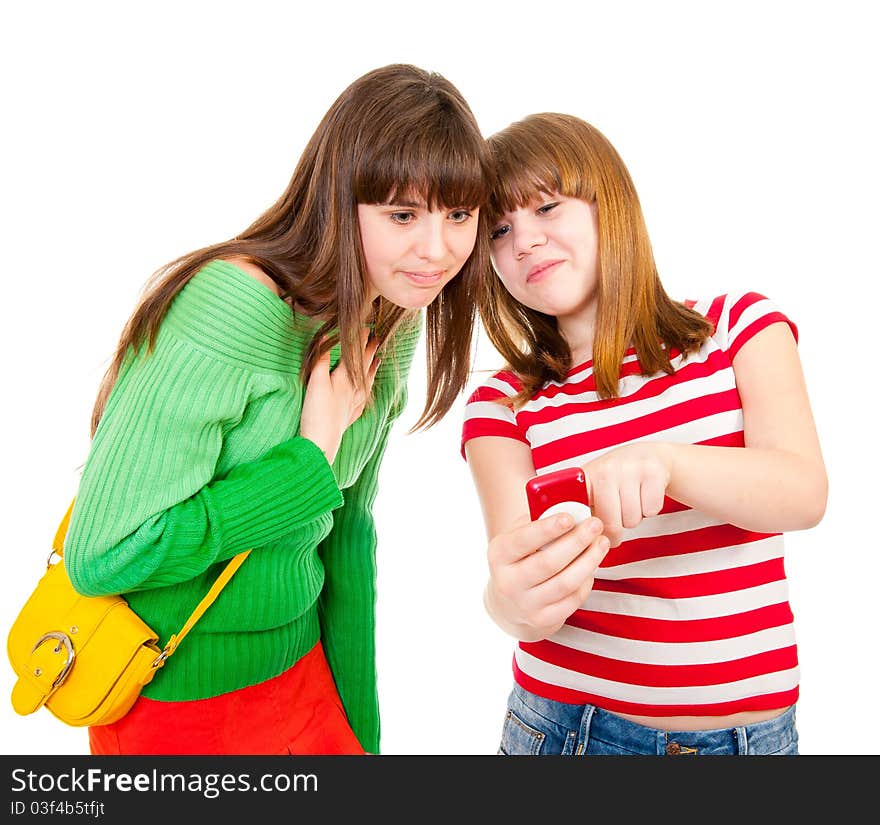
593	723
652	741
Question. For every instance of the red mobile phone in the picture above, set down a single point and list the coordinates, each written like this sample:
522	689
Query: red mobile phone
562	491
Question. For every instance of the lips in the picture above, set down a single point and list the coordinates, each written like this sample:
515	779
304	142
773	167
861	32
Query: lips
539	270
425	278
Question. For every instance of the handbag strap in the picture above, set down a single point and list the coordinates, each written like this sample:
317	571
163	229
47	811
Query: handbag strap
221	581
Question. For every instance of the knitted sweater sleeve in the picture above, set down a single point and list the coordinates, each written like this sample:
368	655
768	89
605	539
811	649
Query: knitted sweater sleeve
346	606
152	509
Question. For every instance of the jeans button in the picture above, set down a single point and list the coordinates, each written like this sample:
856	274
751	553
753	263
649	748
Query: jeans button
673	749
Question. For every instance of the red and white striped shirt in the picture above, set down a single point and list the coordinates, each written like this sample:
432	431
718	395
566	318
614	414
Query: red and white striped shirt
688	616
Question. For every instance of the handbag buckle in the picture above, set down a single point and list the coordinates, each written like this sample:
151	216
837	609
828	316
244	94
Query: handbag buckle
160	659
63	641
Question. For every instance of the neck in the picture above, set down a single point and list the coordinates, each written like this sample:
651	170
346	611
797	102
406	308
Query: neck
579	332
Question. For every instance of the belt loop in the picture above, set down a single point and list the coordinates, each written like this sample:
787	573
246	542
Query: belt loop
584	731
742	741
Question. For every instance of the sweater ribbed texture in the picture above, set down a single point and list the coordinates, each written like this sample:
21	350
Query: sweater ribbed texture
197	457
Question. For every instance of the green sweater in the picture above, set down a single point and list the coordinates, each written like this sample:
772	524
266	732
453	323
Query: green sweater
198	457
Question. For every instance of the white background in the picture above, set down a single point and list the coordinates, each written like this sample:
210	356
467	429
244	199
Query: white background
133	134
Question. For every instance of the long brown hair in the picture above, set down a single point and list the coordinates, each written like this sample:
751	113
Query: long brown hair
556	153
397	130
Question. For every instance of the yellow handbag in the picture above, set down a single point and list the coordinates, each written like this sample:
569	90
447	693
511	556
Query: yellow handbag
87	658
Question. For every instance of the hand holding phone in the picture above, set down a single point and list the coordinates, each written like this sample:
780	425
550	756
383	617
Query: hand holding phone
562	491
531	594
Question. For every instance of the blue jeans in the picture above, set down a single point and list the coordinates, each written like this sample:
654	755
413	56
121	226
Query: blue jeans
535	726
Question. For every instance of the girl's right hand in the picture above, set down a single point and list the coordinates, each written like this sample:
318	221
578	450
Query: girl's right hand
333	401
541	572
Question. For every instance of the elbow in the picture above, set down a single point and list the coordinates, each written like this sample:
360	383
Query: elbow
97	571
821	502
815	500
79	572
88	570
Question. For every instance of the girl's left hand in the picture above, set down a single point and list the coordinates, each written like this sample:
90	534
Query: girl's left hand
333	399
626	485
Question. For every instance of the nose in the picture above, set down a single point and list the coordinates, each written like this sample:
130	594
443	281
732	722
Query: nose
527	234
430	241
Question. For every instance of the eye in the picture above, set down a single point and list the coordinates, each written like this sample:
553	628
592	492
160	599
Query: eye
459	215
499	232
403	218
547	207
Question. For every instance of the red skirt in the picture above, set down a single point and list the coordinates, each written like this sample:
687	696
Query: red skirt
297	712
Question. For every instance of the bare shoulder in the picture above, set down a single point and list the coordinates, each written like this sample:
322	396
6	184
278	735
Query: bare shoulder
255	272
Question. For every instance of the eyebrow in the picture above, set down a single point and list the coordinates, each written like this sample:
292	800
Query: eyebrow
409	204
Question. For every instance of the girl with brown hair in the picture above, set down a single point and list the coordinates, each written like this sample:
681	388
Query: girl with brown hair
660	624
249	405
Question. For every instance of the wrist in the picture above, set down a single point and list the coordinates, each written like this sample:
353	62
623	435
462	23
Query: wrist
518	630
665	453
321	444
491	608
487	600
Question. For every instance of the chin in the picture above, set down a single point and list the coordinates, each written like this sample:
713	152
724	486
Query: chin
546	309
417	301
556	309
415	305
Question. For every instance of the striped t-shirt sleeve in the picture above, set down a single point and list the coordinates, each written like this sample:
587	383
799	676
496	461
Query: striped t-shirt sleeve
743	316
486	412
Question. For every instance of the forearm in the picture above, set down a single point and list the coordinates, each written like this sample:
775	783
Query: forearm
765	490
347	605
257	502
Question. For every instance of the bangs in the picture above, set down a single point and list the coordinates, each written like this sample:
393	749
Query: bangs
527	167
518	185
441	165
